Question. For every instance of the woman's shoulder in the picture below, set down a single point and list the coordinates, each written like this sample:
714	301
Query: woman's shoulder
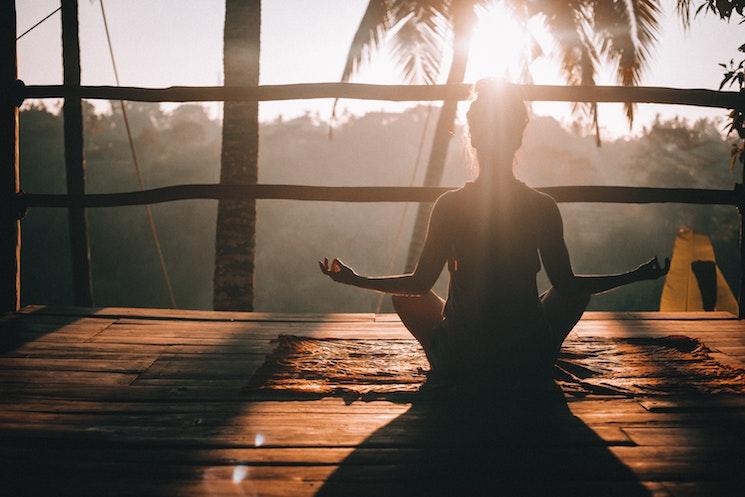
542	199
452	197
449	205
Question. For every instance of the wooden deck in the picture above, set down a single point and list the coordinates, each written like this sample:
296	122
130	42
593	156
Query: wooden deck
155	402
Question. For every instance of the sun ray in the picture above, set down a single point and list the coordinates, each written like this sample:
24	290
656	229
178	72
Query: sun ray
504	46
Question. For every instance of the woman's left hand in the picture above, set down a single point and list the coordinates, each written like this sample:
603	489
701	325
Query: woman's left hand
651	270
337	271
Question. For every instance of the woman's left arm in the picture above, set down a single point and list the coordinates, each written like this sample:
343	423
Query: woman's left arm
419	282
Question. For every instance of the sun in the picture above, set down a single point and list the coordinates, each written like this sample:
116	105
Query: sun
501	45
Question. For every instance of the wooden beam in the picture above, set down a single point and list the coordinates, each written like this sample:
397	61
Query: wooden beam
740	194
600	194
741	296
395	93
74	156
10	225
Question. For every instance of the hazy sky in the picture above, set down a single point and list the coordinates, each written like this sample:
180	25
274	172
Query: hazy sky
179	42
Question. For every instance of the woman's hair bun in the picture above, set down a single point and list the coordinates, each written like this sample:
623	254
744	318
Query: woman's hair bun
497	89
500	97
488	87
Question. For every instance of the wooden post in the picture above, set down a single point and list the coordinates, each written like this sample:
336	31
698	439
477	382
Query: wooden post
741	297
10	225
74	158
740	189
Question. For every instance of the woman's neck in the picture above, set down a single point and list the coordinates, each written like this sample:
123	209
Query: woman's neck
489	186
496	175
496	166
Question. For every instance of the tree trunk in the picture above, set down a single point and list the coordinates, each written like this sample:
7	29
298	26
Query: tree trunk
463	22
236	219
72	112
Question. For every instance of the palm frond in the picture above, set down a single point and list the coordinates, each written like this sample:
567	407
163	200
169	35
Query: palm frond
369	35
565	26
419	38
532	50
589	61
683	8
571	27
646	16
626	30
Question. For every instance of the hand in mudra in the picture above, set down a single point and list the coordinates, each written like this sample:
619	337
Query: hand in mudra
337	270
652	270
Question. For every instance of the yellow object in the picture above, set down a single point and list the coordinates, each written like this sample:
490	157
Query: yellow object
681	291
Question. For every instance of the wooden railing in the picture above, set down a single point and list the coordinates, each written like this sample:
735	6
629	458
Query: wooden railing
14	202
600	194
392	93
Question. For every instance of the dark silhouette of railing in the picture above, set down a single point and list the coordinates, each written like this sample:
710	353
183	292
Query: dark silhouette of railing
600	194
393	93
14	202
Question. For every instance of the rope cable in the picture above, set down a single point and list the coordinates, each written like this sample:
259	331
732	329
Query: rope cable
38	23
402	221
138	171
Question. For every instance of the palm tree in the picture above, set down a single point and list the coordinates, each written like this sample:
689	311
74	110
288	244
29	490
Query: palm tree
586	33
236	219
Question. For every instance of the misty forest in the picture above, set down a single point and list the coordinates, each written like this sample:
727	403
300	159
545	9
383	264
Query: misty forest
182	145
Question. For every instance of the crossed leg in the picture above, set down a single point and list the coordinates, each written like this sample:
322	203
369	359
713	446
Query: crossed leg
420	315
563	311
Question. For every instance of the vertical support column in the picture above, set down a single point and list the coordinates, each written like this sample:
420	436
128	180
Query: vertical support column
74	158
740	192
741	297
10	225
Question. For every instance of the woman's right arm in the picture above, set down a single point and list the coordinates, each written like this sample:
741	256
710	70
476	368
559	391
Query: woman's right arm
418	282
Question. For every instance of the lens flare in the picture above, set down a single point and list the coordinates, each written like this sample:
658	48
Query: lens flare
259	440
240	473
501	45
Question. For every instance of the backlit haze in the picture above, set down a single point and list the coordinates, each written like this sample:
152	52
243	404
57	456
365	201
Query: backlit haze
179	42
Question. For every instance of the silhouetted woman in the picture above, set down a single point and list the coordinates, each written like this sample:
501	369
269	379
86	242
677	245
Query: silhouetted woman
493	234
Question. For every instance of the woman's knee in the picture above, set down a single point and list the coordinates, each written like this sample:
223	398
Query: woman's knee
409	305
425	310
563	306
567	298
578	300
401	302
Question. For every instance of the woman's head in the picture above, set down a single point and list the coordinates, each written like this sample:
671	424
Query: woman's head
496	120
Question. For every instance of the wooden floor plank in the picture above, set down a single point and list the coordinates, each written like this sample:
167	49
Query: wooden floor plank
193	315
317	456
64	377
610	316
113	363
204	366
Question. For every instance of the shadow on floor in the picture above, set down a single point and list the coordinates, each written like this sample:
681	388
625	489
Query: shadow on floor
17	329
469	445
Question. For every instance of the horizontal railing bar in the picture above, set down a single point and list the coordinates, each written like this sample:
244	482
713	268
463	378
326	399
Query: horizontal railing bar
599	194
397	93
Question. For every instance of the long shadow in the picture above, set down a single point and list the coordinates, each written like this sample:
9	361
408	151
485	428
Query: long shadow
495	444
21	328
83	438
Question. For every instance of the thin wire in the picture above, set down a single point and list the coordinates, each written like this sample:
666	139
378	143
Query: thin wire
37	24
400	229
138	171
